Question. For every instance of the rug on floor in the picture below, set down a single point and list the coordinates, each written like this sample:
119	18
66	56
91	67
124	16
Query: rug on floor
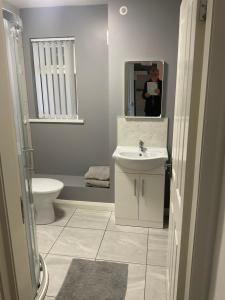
94	280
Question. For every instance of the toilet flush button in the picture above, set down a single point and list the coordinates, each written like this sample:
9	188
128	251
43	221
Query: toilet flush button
123	10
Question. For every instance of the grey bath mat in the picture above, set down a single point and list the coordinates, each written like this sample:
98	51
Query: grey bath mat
94	280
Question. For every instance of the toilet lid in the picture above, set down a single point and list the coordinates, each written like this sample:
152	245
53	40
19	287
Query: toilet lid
46	185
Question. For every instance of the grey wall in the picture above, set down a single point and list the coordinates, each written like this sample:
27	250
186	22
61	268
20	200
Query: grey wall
149	31
63	148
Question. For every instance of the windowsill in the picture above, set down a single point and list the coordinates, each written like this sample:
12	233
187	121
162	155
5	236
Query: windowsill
58	121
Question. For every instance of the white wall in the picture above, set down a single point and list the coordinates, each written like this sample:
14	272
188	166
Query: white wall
10	7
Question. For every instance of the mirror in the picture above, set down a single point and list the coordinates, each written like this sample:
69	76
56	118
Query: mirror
144	88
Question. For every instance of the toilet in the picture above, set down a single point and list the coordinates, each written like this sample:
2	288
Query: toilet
45	191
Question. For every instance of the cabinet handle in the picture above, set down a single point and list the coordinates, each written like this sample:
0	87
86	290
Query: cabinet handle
135	187
143	187
28	149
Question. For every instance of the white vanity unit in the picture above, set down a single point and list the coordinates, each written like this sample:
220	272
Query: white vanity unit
140	175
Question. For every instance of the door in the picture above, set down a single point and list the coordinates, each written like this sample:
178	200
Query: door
189	72
24	151
151	199
126	195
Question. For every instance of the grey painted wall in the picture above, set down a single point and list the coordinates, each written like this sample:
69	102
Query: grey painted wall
149	31
63	148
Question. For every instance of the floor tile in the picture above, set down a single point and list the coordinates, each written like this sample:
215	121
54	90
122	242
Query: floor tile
123	247
155	283
158	232
63	213
113	227
157	250
157	241
135	282
84	234
57	268
46	236
157	258
78	242
84	218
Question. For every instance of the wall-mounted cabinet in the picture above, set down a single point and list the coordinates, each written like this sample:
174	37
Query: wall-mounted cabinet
139	198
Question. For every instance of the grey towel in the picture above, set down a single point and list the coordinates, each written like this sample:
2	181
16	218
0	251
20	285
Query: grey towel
99	173
97	183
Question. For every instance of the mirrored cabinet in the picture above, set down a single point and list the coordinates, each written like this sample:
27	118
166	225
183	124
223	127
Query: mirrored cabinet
144	85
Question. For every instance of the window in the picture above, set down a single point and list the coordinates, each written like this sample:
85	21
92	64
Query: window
55	78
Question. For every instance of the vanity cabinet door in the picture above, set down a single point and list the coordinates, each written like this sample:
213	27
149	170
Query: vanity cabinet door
126	195
151	199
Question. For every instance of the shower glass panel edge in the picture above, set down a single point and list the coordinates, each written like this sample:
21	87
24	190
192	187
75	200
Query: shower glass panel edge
13	27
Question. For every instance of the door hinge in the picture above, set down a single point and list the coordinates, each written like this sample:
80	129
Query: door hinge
22	209
203	10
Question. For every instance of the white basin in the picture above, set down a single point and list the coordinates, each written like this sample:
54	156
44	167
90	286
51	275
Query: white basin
132	158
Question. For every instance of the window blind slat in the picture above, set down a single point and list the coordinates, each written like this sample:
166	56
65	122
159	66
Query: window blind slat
55	81
49	80
38	80
61	79
75	79
69	73
43	80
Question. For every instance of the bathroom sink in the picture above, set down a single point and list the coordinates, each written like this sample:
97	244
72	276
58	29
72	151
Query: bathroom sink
132	158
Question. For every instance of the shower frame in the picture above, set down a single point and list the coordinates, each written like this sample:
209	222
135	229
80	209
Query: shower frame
19	279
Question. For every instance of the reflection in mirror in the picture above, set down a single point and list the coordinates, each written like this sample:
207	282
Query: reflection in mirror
144	88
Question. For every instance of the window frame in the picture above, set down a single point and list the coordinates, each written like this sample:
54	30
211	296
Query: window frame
57	117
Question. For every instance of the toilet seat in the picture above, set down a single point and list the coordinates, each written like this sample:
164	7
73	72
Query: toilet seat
46	185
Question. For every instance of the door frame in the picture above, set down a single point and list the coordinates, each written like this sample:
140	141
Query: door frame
210	148
191	48
15	275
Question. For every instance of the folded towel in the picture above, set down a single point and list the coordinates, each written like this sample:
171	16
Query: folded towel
97	183
99	173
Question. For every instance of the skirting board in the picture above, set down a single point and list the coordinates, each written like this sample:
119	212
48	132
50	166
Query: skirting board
86	204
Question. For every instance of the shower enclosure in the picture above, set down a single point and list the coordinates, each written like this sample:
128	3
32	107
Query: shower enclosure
13	29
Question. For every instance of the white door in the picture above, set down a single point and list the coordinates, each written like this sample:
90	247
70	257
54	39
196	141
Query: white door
189	71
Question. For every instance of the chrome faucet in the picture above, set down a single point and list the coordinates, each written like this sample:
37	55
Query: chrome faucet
141	146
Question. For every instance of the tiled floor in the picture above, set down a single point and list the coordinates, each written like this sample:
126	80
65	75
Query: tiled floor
93	235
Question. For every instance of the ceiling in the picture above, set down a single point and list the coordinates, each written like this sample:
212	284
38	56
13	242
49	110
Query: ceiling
46	3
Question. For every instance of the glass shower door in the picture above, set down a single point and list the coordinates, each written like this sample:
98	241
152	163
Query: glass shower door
15	60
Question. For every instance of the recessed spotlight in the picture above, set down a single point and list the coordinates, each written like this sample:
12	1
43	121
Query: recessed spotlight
123	10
